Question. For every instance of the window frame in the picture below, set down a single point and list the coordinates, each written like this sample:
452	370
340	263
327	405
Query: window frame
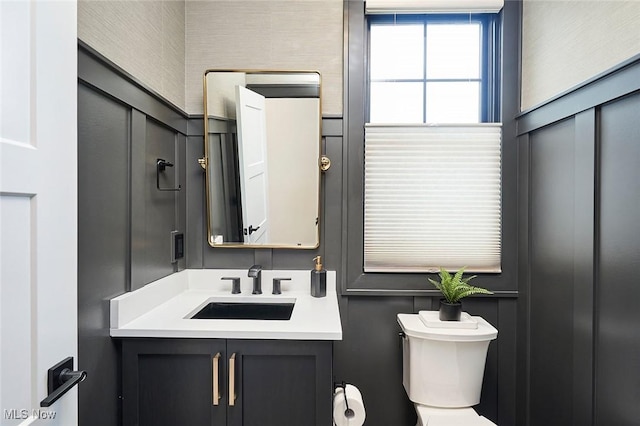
506	89
489	108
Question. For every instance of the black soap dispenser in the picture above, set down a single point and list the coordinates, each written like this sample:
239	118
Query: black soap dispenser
318	279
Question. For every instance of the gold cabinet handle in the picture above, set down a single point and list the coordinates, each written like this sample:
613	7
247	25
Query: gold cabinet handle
232	380
216	379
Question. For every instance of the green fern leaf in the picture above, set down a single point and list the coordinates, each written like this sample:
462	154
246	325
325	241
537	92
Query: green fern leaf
435	283
474	290
457	278
455	287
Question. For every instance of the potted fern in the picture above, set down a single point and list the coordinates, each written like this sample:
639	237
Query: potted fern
454	288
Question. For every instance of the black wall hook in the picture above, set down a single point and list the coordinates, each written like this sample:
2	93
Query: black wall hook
161	165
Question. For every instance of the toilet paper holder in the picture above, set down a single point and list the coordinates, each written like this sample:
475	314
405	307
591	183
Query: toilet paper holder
348	412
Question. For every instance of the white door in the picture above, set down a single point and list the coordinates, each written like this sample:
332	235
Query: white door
252	153
38	207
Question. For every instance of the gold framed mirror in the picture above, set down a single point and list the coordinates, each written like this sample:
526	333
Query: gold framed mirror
262	149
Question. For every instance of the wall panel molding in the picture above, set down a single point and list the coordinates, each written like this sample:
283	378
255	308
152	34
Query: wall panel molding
575	128
524	280
618	255
615	83
98	72
104	249
584	263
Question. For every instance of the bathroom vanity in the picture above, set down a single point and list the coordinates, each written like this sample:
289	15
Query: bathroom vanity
179	370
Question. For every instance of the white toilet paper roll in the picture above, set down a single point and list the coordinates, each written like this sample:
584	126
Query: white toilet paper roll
354	400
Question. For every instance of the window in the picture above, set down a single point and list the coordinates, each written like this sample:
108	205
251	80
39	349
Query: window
432	172
430	68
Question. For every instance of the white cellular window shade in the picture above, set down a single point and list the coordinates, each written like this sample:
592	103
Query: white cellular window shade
433	6
432	197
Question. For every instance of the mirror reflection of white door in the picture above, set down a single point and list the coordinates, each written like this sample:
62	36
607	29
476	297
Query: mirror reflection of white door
38	208
252	155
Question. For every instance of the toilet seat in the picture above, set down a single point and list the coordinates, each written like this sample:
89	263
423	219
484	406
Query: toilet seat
432	416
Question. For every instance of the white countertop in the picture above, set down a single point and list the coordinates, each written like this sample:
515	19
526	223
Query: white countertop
163	308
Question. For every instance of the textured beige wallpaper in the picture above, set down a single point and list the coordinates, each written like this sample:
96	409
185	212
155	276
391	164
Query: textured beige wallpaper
565	43
169	44
146	38
265	34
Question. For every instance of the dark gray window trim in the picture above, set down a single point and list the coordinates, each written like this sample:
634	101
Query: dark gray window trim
354	280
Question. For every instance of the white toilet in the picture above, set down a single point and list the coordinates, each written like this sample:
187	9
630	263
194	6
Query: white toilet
443	367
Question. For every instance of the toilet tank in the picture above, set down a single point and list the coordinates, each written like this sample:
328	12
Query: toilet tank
444	367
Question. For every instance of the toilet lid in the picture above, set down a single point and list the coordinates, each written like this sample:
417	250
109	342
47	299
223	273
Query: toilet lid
413	326
459	421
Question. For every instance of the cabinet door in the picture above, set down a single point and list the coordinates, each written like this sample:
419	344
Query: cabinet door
281	383
171	382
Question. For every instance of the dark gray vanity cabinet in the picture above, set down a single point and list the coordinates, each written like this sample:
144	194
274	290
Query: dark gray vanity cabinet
281	383
169	382
276	382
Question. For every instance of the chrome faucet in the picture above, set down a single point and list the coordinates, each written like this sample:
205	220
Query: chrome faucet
255	272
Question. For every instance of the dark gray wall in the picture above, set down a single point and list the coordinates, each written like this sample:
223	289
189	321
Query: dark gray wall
103	246
370	353
124	223
616	355
552	254
579	244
